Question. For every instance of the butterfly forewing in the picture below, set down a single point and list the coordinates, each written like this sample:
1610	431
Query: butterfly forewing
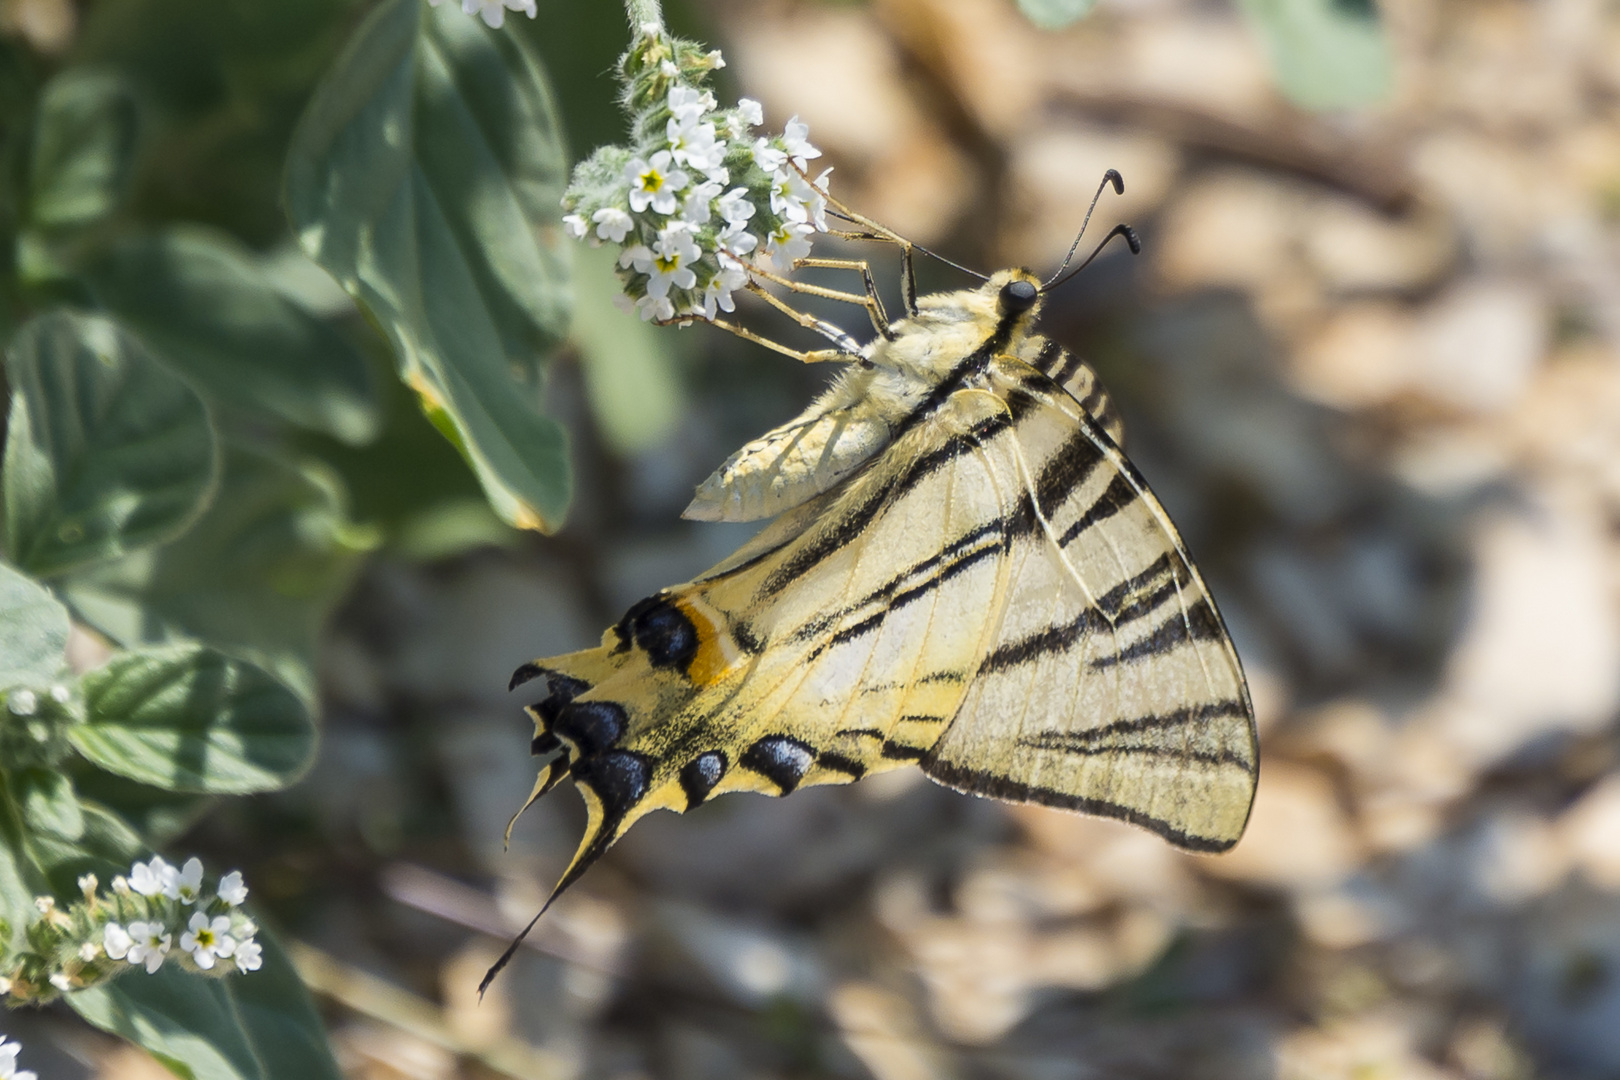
1109	684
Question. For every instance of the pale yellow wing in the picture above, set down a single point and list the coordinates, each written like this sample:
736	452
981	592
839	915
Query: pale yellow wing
1109	685
838	643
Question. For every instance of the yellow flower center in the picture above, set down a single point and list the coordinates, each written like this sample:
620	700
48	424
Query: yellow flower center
667	263
205	938
651	180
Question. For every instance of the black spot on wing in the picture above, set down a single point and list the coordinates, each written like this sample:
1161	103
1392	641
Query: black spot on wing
619	780
661	630
1125	736
1048	356
562	690
591	726
781	759
901	752
699	776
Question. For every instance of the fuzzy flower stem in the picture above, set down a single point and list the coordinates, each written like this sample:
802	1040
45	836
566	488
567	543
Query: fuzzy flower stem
642	12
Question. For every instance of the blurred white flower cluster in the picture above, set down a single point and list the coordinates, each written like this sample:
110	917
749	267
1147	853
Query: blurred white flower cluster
8	1062
493	12
157	914
698	200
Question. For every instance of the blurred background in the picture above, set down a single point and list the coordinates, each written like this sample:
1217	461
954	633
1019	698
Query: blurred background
1369	359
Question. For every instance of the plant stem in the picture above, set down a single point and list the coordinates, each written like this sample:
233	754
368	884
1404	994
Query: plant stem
642	12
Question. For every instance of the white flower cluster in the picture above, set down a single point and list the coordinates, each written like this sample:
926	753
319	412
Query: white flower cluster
8	1062
699	200
494	12
214	931
157	914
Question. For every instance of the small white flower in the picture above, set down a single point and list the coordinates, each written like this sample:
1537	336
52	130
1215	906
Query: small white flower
494	12
751	111
624	303
149	944
88	883
695	211
61	694
790	241
735	239
23	703
735	206
688	105
249	955
796	141
718	289
61	981
89	951
767	156
807	194
655	182
655	307
150	879
613	224
668	69
694	144
670	260
45	904
208	940
186	885
231	889
715	60
8	1062
635	255
576	226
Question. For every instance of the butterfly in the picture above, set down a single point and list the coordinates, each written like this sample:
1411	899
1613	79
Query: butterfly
965	573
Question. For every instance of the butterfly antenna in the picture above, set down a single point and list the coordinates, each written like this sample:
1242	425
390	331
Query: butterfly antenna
895	238
1118	230
1110	177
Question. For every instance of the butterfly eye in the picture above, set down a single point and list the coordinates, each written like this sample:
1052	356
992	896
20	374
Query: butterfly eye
1017	297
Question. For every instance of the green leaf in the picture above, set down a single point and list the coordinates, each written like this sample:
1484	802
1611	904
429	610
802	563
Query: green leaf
108	452
188	718
425	176
206	307
1055	14
257	1026
1326	54
84	146
48	803
630	376
33	631
257	575
105	846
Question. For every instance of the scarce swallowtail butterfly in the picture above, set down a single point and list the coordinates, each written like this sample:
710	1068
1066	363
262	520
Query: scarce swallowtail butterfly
965	574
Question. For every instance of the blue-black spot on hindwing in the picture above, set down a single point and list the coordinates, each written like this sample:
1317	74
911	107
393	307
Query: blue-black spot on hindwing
592	726
619	778
664	632
563	689
544	744
781	759
700	775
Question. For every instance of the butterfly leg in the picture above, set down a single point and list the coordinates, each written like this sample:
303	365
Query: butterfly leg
873	302
812	357
846	344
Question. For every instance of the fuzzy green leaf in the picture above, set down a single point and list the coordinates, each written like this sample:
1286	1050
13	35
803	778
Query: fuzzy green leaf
84	147
33	631
108	452
202	303
188	718
425	176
